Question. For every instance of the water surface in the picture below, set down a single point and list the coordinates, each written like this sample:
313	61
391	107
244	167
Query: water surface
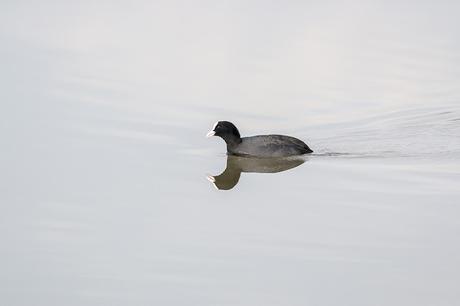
104	198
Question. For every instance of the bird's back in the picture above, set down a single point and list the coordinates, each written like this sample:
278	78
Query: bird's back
270	146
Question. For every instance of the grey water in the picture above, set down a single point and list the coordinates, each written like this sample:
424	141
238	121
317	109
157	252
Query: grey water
107	183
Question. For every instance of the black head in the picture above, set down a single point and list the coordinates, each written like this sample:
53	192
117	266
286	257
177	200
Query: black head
227	131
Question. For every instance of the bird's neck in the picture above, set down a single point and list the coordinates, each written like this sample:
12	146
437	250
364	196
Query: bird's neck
232	141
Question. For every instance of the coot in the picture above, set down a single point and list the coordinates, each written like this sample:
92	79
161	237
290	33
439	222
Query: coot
257	146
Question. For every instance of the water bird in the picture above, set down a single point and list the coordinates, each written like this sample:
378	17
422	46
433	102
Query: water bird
257	146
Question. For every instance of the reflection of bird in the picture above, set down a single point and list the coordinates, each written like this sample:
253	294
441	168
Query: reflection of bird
235	165
258	146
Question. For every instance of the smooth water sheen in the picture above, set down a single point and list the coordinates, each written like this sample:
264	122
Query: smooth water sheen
103	164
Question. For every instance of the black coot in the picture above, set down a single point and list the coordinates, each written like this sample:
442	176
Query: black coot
258	146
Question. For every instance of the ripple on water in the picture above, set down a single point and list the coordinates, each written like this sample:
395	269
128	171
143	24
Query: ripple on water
416	133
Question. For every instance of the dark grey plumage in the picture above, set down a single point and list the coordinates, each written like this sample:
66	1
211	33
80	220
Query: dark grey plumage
258	146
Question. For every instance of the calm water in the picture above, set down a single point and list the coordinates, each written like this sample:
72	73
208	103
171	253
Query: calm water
103	192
